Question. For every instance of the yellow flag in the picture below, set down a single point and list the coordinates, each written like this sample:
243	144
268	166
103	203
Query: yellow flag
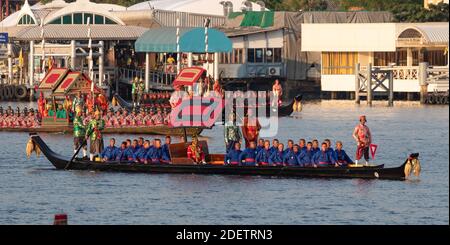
21	58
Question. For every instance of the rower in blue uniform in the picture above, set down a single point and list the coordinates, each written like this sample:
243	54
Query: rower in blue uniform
262	158
110	152
274	147
233	155
125	154
135	146
324	158
165	150
154	154
290	147
291	158
302	144
276	158
306	157
260	146
248	156
342	159
141	154
315	146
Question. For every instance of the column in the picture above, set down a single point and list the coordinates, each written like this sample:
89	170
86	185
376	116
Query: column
72	54
216	66
409	57
369	84
10	68
147	72
31	69
101	64
357	83
423	75
190	62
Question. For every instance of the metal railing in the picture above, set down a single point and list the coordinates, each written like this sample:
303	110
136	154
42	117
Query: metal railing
156	76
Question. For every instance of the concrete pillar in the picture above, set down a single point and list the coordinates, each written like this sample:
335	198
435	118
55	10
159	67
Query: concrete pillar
216	66
31	69
423	75
391	88
357	83
10	68
147	72
190	61
101	65
409	57
369	84
72	54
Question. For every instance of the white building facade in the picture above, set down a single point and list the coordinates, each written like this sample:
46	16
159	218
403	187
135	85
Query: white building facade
399	46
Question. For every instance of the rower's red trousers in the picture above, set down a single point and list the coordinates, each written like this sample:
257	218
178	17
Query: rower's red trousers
362	150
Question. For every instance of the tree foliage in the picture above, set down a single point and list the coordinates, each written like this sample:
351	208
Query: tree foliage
403	10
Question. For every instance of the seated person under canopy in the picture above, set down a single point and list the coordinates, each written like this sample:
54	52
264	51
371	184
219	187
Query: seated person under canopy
195	152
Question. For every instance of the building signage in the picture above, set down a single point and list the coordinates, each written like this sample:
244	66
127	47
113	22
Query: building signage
3	37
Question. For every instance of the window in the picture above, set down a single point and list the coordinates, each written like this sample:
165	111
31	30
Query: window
384	58
251	55
99	20
88	18
67	19
56	21
436	57
26	20
109	21
264	55
238	56
273	55
339	63
277	57
259	55
78	18
235	57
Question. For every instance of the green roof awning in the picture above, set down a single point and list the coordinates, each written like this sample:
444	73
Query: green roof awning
262	19
164	40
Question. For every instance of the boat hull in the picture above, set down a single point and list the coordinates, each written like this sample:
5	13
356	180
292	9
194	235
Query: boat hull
376	172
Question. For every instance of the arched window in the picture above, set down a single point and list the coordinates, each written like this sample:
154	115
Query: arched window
83	19
26	20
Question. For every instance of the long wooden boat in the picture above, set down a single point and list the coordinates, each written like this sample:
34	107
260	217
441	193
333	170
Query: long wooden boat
283	111
373	172
150	130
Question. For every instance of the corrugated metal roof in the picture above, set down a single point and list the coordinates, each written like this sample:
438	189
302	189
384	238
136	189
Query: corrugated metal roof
435	34
80	32
432	32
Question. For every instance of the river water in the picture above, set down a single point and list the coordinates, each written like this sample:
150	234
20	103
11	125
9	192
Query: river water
31	191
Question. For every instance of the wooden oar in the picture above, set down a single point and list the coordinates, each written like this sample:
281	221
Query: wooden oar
78	150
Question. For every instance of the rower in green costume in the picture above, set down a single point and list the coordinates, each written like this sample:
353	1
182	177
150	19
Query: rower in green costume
93	132
79	132
134	91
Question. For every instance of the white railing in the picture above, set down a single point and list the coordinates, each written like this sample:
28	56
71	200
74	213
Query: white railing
156	77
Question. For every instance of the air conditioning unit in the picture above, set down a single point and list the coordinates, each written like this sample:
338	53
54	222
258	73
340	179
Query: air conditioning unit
274	71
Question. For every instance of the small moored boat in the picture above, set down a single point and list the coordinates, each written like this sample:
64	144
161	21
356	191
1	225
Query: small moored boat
182	165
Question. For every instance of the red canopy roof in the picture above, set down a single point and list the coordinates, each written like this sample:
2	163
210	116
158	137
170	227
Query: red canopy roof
188	76
52	79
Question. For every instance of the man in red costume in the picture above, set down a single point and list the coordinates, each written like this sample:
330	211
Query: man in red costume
41	104
251	128
363	138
